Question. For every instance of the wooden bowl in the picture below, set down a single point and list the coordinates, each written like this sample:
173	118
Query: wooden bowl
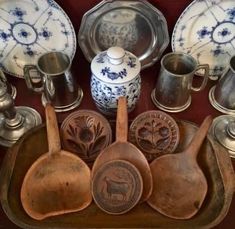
213	159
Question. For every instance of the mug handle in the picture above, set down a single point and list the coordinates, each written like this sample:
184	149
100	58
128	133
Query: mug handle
205	77
35	81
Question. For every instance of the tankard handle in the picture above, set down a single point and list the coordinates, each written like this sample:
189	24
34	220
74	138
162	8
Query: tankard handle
205	77
33	78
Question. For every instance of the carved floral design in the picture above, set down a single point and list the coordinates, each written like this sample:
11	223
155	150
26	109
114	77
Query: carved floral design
154	135
86	136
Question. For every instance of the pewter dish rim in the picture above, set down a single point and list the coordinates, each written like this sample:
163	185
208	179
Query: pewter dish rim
101	8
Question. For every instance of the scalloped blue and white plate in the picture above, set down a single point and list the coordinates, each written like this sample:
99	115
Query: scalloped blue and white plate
206	30
30	28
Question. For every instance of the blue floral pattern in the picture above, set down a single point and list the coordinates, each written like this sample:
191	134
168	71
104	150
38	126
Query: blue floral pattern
225	32
101	57
18	12
217	51
30	29
45	33
106	71
30	52
113	75
131	62
23	33
106	96
203	32
213	24
4	36
231	13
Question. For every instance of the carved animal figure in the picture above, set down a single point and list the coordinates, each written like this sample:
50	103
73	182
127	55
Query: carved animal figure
116	187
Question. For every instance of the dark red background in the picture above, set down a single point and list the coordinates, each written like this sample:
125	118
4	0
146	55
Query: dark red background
199	108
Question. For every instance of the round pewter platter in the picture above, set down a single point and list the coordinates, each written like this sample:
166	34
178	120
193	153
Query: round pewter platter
136	26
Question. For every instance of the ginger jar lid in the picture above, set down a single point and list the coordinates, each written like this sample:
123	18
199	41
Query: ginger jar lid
115	66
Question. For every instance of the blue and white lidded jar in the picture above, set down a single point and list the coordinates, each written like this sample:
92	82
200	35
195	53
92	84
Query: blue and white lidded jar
115	73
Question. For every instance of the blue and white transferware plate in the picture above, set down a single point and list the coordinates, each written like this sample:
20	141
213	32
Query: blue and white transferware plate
30	28
206	30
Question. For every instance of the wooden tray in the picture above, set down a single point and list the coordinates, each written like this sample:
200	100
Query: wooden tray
213	159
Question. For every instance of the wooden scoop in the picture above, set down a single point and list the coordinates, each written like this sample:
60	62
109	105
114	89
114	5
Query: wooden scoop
58	182
179	185
123	150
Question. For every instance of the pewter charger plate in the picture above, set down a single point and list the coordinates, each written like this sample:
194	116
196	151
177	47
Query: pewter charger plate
136	26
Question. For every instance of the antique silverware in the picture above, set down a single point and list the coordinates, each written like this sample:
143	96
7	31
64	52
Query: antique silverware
174	84
14	121
54	78
222	95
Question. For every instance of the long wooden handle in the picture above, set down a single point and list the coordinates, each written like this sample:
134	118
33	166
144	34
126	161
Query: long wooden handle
198	138
122	120
53	136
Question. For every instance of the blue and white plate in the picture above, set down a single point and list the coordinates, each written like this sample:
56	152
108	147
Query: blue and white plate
206	30
30	28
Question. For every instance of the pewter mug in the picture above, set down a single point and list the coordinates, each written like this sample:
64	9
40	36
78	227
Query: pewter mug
222	96
53	77
174	84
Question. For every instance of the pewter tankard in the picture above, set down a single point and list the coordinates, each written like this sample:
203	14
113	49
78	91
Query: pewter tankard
222	96
174	84
52	75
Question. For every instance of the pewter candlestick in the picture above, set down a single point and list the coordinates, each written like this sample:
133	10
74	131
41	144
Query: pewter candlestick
14	121
11	89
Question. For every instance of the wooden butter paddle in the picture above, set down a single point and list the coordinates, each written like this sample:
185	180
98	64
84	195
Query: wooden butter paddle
57	182
121	149
179	185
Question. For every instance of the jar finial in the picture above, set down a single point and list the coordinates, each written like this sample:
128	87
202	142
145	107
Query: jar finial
115	55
